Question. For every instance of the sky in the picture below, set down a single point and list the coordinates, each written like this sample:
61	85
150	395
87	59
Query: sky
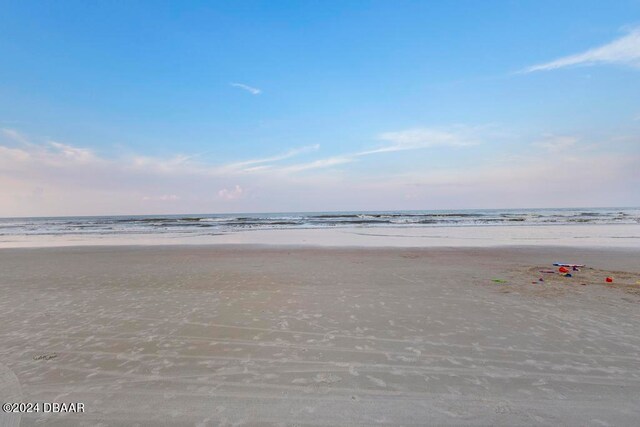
259	106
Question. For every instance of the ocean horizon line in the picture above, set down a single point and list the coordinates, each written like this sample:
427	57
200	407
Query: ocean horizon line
195	214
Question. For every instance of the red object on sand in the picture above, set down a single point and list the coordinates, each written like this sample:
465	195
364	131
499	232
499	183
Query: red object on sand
563	270
609	279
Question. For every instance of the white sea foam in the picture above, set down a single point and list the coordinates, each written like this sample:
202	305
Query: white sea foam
198	225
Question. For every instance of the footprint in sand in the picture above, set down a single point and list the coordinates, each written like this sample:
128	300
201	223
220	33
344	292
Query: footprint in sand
377	381
326	378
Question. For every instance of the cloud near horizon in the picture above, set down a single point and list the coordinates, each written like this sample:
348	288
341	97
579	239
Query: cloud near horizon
235	193
52	178
625	51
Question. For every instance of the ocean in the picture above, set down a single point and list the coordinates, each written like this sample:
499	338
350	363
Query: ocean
211	224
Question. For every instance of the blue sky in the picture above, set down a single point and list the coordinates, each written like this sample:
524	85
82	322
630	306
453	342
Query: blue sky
178	107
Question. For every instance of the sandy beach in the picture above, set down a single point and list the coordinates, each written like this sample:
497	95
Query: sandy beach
283	335
319	213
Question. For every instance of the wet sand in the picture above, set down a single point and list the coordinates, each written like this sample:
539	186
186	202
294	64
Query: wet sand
590	235
247	335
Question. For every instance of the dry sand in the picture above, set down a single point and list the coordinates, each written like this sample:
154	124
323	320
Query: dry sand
189	335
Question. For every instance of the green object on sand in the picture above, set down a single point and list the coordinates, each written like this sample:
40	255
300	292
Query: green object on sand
498	280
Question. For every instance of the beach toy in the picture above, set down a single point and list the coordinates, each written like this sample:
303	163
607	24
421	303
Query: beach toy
609	280
563	270
498	280
568	275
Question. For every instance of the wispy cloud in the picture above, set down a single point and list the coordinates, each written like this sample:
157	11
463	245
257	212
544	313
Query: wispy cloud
625	51
411	139
59	155
248	165
415	139
321	163
14	135
58	179
252	90
83	155
53	154
159	165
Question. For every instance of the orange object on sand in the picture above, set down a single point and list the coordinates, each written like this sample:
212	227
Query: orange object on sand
609	279
563	270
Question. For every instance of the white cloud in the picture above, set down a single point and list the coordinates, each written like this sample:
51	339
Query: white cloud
411	139
235	193
258	168
12	156
169	165
48	179
59	155
14	135
414	139
318	164
52	154
625	51
291	153
250	89
75	154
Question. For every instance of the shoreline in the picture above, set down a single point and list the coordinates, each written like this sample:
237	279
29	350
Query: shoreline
595	236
